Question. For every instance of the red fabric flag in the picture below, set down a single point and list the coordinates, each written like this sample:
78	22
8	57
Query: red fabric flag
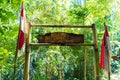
22	29
105	47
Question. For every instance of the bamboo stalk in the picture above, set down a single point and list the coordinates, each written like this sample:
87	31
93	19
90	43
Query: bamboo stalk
15	58
108	64
16	53
66	44
60	26
97	69
85	53
108	53
27	55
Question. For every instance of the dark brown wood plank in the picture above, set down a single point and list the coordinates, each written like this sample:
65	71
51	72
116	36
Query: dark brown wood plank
61	37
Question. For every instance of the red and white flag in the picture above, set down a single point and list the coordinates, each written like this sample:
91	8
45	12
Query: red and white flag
105	50
22	29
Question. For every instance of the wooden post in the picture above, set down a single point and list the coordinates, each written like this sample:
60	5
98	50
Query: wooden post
16	54
108	53
27	54
108	64
15	58
85	63
97	69
15	62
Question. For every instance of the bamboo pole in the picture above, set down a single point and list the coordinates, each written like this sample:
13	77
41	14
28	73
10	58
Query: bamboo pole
66	44
16	54
108	54
85	51
108	64
27	54
97	69
60	26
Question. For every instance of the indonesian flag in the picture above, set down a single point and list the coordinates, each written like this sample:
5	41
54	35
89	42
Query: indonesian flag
22	29
105	50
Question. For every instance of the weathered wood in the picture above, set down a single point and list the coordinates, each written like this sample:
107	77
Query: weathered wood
97	69
60	26
27	54
116	58
108	54
56	44
61	37
85	57
16	54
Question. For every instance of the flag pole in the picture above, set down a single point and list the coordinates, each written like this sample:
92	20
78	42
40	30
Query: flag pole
108	53
16	54
15	59
108	65
17	46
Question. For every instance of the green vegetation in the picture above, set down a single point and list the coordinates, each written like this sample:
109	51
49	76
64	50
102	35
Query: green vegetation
57	61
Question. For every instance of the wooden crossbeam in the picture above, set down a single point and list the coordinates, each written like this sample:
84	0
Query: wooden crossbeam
57	44
60	26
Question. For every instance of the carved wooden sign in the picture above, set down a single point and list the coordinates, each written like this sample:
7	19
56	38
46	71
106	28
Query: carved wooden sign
61	37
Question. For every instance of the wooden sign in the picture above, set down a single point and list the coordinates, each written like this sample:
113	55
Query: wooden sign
61	37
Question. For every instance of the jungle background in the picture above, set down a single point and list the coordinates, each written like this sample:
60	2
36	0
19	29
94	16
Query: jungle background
53	62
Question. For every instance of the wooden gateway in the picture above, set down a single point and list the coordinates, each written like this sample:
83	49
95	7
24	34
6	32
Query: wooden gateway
61	38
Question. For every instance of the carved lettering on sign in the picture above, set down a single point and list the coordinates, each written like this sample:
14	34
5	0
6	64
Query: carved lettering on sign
61	37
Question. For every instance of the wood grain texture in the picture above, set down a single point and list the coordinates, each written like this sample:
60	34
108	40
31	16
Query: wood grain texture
61	37
60	26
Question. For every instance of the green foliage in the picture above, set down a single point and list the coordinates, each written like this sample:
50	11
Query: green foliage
78	14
